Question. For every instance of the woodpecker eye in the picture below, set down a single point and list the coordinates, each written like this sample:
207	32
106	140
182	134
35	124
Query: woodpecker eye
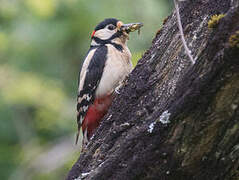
111	27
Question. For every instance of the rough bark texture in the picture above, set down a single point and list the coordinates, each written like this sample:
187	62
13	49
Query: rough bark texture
174	120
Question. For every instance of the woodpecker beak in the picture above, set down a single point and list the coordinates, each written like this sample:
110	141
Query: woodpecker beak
131	27
127	28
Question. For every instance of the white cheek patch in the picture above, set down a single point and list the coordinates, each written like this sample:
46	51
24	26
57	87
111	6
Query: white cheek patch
104	34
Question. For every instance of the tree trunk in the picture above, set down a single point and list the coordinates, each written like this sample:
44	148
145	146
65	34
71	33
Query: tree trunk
173	119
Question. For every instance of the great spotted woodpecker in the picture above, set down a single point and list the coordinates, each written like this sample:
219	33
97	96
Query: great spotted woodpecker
106	64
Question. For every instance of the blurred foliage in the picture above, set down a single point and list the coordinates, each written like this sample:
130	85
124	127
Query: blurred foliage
42	43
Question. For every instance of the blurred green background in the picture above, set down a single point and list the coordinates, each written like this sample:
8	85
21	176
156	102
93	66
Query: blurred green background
42	43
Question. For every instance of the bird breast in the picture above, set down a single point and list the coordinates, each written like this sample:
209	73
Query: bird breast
118	65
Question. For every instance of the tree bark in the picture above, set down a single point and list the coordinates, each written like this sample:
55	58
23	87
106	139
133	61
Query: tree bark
174	120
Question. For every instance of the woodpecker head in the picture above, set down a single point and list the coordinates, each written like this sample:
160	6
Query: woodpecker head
113	30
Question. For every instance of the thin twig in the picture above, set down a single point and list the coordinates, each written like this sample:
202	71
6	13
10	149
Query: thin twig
188	52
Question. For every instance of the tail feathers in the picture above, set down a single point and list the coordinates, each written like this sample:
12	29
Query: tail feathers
85	137
79	123
77	137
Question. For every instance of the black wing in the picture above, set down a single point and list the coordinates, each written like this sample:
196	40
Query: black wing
93	76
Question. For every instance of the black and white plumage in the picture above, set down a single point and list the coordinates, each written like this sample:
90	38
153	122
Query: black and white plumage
106	65
91	76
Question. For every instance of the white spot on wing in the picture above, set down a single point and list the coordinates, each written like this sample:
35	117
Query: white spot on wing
88	97
85	108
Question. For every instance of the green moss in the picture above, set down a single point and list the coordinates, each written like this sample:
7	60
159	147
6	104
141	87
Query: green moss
212	23
234	40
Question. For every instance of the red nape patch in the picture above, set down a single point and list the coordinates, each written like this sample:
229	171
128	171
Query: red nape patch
93	33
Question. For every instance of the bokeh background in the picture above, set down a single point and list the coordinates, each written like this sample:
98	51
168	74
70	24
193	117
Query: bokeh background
42	43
